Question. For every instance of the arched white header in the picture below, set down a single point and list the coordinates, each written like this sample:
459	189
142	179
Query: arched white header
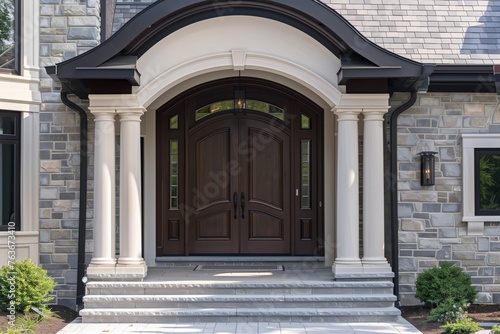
238	43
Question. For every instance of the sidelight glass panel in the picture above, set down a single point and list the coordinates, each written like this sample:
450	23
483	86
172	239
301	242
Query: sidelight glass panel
306	122
7	177
487	181
174	122
174	174
305	154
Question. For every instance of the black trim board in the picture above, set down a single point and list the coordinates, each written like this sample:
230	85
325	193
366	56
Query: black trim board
463	78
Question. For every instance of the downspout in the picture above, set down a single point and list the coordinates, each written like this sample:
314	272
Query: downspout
394	190
421	84
82	217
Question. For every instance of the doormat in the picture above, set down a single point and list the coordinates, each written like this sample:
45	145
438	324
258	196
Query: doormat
249	268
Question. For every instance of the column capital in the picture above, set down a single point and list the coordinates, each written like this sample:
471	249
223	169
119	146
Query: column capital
347	114
130	114
374	114
103	114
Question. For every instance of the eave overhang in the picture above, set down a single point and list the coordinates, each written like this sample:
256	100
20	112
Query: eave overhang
464	78
115	59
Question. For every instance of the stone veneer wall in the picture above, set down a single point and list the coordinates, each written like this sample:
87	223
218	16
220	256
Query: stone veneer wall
430	223
127	9
67	28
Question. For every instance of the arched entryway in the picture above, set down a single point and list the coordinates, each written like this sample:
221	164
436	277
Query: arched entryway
239	171
172	46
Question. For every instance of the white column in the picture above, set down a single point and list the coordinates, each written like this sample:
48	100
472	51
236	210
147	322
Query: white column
130	262
347	260
374	260
103	261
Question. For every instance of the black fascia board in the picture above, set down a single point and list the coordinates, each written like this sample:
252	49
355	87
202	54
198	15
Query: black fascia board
130	75
463	78
362	72
163	17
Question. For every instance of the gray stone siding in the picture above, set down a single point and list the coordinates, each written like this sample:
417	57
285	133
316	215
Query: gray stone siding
127	9
430	218
67	28
433	31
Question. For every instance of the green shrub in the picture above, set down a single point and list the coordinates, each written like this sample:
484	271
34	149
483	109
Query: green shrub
32	286
495	329
446	282
462	326
448	311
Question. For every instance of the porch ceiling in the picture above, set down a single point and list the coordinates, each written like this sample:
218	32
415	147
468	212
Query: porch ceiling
115	59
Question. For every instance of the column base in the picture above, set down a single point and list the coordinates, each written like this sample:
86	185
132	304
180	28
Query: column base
347	267
117	272
347	270
132	271
100	270
376	266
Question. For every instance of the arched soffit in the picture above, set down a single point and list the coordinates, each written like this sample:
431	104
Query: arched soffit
115	58
238	43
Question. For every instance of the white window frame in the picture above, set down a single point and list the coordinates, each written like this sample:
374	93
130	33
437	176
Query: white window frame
470	142
20	93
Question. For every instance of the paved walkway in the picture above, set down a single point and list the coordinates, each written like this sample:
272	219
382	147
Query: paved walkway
400	327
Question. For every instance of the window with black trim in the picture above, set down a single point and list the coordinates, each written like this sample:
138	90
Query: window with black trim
487	181
10	181
9	31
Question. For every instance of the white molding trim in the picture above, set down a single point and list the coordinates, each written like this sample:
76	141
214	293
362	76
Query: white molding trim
469	143
30	171
224	61
364	102
239	59
113	101
26	246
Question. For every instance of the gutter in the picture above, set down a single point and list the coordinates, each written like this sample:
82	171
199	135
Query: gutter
394	191
82	217
420	84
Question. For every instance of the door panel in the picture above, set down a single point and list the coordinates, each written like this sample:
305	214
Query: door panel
265	227
266	169
212	162
214	227
266	230
211	228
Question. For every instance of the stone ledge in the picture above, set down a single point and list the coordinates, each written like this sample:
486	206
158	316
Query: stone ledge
364	277
190	285
158	312
239	298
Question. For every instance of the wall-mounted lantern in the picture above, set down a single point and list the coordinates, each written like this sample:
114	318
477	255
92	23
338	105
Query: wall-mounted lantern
427	168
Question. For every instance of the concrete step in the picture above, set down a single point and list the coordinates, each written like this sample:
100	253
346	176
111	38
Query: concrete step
238	288
195	315
267	301
286	299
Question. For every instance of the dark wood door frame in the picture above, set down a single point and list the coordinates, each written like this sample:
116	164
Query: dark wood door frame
306	223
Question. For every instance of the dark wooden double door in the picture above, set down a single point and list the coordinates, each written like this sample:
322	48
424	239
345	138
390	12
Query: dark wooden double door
239	176
240	186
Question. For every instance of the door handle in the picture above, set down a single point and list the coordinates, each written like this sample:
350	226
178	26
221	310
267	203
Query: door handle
243	205
235	203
